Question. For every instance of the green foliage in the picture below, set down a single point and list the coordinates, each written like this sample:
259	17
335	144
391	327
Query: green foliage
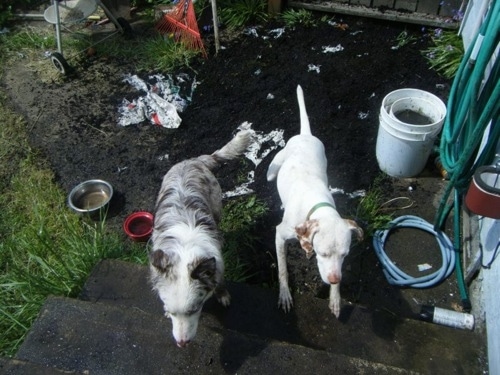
27	40
236	14
372	209
239	217
404	38
45	249
446	54
164	54
292	17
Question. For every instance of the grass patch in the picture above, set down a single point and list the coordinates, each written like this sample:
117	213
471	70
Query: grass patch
373	209
446	54
293	17
236	14
239	217
44	248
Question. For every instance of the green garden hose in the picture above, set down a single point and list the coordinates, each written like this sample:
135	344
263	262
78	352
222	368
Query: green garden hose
473	104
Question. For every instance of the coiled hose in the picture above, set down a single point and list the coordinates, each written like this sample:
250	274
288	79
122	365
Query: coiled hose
396	276
473	104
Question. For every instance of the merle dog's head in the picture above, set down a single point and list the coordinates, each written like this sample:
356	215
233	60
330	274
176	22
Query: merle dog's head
184	286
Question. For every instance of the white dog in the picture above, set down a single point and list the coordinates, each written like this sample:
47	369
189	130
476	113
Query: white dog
185	260
309	211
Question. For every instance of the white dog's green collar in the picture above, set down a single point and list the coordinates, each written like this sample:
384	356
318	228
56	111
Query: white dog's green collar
319	205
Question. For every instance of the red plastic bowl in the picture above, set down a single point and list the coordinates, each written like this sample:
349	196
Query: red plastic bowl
139	226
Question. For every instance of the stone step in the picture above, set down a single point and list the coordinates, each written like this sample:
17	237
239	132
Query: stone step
373	336
101	338
17	367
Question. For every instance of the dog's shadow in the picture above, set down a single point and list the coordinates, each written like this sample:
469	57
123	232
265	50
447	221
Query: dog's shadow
254	313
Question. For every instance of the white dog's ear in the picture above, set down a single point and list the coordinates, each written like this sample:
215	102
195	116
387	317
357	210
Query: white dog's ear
355	228
305	234
204	270
161	261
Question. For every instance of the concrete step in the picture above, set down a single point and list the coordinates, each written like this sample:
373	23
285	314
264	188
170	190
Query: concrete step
101	338
12	366
375	336
118	327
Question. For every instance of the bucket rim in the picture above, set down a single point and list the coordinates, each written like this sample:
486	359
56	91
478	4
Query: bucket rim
440	114
409	136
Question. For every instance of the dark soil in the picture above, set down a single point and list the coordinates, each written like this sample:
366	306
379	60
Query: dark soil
74	124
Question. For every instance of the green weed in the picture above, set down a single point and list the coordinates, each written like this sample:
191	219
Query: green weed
239	13
404	38
292	17
373	210
239	217
446	54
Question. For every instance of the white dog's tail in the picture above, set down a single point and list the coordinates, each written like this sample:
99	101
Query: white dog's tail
304	119
234	148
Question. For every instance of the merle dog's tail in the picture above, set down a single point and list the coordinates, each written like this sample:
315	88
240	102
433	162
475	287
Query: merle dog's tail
234	148
305	128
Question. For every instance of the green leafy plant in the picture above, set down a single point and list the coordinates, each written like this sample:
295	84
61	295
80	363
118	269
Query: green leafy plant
239	217
404	38
373	209
446	54
239	13
165	54
293	17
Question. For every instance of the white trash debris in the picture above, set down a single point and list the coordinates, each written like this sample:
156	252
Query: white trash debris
160	104
424	267
330	49
272	140
313	68
255	154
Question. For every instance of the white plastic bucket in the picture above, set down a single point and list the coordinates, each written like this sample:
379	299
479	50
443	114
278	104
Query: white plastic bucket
403	148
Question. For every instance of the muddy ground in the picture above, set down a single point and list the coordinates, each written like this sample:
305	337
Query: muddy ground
74	123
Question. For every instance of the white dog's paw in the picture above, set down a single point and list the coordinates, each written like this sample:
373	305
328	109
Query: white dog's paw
224	298
335	307
285	301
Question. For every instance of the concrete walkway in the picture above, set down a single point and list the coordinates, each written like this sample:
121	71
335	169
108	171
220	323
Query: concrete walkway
117	327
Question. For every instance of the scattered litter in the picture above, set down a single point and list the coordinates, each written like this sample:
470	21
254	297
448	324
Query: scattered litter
270	96
272	140
341	26
257	72
277	32
363	115
243	189
354	194
312	67
372	96
163	157
252	31
354	33
255	154
4	31
330	49
424	267
440	86
160	104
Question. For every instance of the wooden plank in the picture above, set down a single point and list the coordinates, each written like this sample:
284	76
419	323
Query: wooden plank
383	3
389	15
361	2
450	8
428	6
409	5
